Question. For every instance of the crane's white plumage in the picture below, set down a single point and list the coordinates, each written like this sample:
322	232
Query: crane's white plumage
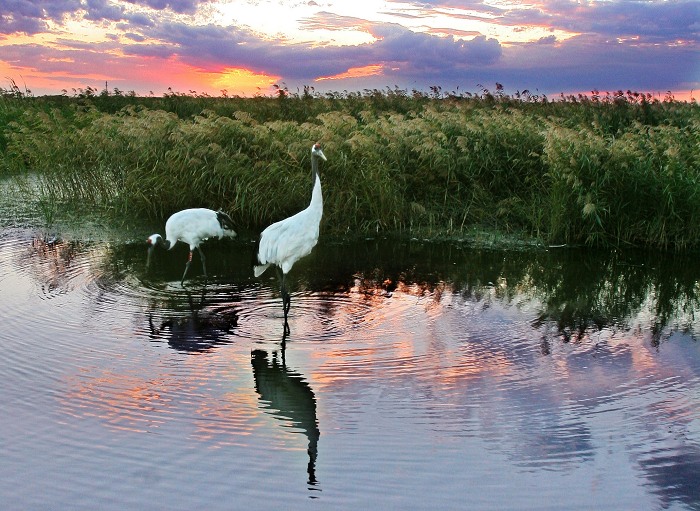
193	226
285	242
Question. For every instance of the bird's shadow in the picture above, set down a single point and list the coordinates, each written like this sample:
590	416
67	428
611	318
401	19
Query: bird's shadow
197	329
287	396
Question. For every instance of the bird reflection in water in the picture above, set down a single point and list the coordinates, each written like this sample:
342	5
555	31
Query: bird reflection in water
198	331
288	397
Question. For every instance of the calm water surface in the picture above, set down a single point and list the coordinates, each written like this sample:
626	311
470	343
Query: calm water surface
415	376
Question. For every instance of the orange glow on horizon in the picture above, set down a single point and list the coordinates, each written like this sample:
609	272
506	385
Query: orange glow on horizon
243	81
182	77
156	75
152	75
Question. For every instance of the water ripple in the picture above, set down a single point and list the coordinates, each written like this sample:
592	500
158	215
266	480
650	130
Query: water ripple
409	382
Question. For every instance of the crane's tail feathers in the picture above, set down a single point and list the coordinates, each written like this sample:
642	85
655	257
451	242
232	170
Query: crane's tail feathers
225	221
260	269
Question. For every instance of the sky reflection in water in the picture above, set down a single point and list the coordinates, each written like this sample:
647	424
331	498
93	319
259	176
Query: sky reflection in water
415	375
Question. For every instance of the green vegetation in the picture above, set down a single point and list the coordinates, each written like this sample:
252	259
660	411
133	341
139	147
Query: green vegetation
611	169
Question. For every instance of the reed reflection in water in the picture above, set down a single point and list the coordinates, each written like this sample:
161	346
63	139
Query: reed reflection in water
440	377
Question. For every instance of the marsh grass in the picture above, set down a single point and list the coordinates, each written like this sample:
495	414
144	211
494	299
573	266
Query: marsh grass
617	169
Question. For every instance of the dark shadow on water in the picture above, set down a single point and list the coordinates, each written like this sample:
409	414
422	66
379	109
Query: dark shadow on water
198	329
285	394
577	290
675	476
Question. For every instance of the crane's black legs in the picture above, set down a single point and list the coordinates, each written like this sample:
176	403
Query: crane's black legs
148	259
189	261
204	264
187	267
286	299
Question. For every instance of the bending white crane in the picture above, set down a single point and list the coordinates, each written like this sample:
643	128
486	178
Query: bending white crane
285	242
192	226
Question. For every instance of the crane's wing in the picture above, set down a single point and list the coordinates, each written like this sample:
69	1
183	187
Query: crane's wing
192	226
288	240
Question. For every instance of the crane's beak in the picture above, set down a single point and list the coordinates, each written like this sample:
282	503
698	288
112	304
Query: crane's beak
320	153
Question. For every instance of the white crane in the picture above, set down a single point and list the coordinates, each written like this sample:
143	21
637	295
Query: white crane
192	226
285	242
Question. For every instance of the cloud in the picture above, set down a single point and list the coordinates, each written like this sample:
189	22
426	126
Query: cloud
325	20
427	52
179	6
590	62
615	44
85	60
652	21
30	16
98	10
406	53
16	24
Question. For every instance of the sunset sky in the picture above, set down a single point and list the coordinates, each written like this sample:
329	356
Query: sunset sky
246	46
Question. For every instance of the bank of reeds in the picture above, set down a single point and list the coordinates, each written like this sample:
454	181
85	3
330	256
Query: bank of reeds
618	169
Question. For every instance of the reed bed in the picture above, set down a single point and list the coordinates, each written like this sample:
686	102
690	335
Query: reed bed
602	170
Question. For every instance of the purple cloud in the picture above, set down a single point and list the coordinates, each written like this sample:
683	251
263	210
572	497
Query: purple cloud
179	6
653	21
598	59
98	10
408	53
429	53
14	24
30	16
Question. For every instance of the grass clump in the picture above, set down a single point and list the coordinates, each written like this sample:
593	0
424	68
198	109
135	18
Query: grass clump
620	169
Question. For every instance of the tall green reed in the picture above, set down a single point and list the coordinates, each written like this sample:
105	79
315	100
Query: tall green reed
584	171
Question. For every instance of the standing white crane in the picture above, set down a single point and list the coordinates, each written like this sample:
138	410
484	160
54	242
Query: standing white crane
192	226
285	242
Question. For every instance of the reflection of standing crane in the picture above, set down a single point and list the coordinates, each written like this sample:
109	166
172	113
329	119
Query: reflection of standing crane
199	330
285	242
288	397
192	226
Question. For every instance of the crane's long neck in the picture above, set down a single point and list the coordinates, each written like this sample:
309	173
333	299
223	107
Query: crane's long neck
316	194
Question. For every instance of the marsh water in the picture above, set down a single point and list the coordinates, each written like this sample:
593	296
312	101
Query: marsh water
415	375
